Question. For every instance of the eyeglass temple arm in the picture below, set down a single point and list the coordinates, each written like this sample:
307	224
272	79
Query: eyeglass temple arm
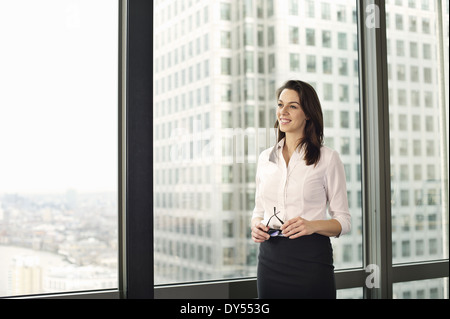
282	223
274	214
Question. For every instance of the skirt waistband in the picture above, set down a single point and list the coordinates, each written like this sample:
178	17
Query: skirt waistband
313	248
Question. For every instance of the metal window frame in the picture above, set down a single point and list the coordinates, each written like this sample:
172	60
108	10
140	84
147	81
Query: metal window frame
375	152
376	189
136	150
135	279
136	174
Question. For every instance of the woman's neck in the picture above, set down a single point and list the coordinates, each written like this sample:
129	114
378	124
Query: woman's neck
291	142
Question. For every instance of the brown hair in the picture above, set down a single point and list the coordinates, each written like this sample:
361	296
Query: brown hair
310	104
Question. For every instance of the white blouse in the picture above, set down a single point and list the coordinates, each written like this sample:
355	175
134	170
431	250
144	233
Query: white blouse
301	190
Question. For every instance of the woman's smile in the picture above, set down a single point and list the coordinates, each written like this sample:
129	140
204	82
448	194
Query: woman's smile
284	121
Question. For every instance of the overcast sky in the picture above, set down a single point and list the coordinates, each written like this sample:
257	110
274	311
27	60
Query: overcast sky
58	95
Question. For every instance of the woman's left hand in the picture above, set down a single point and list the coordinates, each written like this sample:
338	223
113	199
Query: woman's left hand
297	227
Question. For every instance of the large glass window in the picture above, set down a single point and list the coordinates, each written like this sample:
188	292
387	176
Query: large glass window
58	142
419	135
421	289
204	174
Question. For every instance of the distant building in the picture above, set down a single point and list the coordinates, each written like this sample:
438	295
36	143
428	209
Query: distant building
73	278
25	276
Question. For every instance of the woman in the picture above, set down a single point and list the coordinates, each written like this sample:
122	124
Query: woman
296	181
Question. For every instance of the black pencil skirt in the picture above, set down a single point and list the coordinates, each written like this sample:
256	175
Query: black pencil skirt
300	268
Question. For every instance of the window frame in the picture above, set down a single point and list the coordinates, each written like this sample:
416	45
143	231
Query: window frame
136	149
135	71
376	191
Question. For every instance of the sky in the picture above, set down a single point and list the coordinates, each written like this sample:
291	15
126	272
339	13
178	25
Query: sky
58	95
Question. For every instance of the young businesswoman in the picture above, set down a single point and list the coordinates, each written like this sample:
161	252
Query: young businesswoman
297	182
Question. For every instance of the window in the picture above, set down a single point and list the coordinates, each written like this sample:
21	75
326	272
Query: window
204	141
399	22
310	37
294	62
293	7
311	63
342	41
245	128
420	169
343	66
310	8
326	39
413	50
58	135
412	24
327	65
341	14
225	67
293	35
421	289
225	11
225	39
326	10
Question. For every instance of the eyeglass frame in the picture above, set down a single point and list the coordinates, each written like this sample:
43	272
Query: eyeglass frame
272	231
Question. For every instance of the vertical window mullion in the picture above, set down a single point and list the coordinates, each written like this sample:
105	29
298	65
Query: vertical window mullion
136	237
375	145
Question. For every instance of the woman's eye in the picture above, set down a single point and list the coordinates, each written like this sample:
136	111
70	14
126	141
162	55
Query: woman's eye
280	105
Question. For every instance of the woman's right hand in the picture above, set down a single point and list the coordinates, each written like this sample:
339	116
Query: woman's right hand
259	231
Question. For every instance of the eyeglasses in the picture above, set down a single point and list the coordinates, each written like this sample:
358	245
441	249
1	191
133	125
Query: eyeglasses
274	232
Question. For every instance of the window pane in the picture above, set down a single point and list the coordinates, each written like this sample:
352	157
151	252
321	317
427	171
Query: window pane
216	164
419	152
422	289
58	141
350	293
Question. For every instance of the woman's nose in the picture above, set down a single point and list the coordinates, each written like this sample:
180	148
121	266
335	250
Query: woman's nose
284	110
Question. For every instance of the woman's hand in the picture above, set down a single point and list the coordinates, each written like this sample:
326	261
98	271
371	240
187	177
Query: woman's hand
259	231
297	227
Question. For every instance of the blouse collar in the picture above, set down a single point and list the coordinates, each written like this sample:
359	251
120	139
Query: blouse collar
275	153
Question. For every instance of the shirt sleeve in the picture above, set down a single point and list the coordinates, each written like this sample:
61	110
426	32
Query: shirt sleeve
258	211
336	187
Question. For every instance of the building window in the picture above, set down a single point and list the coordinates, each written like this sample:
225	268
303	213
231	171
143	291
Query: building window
326	39
342	41
327	65
311	63
294	62
311	37
225	11
325	11
293	35
310	8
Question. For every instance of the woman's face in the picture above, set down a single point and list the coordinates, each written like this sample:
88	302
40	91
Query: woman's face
291	118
